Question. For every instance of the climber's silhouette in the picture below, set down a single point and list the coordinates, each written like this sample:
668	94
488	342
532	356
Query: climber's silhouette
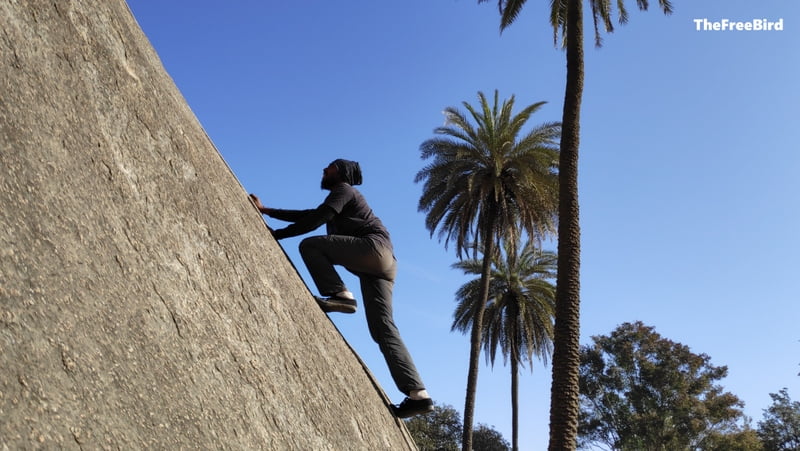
358	241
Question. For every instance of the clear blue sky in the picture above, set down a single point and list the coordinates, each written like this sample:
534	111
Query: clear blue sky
689	171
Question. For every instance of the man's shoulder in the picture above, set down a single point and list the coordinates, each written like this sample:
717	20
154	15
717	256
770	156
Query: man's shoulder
340	195
342	189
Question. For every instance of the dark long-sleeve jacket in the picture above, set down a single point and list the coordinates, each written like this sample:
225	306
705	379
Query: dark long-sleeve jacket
344	211
303	221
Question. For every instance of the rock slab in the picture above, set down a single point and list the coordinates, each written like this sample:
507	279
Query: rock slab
142	302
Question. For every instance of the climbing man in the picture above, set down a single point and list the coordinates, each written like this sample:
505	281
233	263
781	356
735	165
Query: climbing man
358	241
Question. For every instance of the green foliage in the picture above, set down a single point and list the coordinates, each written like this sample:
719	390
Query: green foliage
519	313
489	173
745	439
640	391
780	429
486	438
440	430
602	15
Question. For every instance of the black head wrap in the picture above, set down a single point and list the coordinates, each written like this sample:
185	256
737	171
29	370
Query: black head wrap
349	171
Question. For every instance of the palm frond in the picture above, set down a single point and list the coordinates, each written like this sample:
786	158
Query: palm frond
509	12
558	20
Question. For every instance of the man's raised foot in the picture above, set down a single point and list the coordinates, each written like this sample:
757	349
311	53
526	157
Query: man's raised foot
337	304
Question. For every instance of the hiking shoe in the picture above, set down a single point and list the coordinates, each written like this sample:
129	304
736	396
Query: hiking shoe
410	407
336	304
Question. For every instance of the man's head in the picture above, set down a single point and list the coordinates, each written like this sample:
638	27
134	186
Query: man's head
341	171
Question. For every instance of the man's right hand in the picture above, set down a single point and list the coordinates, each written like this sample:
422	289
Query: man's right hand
257	202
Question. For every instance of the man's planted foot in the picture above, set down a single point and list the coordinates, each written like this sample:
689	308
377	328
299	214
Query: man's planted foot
410	407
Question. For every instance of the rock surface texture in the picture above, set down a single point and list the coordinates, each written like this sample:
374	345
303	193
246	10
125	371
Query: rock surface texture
142	302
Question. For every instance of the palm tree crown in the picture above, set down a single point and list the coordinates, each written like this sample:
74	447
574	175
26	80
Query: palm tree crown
602	14
519	313
489	175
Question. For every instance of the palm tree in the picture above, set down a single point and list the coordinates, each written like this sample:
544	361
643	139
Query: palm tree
519	313
485	182
566	18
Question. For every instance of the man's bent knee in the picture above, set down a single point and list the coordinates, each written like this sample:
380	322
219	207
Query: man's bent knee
308	244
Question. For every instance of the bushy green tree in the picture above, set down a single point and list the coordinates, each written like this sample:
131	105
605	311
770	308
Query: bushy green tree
486	438
438	430
640	391
780	429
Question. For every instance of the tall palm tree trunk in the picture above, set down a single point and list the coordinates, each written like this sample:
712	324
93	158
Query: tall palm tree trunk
564	405
475	338
514	402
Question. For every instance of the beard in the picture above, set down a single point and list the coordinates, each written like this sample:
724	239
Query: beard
326	183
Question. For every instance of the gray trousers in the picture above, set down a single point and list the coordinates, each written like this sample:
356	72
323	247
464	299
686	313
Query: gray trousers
375	266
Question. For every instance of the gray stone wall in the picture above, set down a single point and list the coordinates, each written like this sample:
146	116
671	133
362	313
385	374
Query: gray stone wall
142	302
